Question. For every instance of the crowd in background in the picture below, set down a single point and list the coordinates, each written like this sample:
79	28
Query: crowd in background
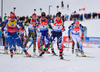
65	17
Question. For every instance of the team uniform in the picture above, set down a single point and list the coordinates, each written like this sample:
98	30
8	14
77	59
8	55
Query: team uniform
43	25
32	32
21	34
12	33
75	34
73	41
56	32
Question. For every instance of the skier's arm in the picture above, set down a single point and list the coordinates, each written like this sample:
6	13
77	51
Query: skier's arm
70	30
82	31
37	23
17	30
63	26
20	24
49	25
1	24
4	24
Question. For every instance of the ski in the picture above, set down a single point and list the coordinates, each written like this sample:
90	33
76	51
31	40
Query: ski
85	56
4	53
9	53
65	59
66	55
18	54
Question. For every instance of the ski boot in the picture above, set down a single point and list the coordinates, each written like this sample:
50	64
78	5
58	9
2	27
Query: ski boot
6	50
34	54
40	50
76	52
47	51
28	55
42	53
72	51
11	52
82	53
79	50
15	51
54	52
61	57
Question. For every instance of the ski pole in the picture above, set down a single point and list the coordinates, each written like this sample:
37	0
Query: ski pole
68	44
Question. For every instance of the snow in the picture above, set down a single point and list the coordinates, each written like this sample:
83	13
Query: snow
49	63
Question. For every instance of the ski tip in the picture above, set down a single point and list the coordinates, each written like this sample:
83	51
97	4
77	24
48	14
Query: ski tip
29	56
11	56
65	59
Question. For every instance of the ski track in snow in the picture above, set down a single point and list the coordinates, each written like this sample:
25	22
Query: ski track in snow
49	63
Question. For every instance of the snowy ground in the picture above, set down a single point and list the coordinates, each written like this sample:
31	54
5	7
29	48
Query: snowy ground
49	63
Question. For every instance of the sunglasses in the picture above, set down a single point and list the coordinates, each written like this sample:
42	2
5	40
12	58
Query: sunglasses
33	17
43	17
58	17
12	17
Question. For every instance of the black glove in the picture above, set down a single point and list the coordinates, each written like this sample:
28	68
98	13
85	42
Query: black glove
35	35
69	37
64	29
82	38
18	33
22	28
2	34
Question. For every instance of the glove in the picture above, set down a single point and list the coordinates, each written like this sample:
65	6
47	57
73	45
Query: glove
22	28
18	33
82	38
35	35
64	29
2	34
69	37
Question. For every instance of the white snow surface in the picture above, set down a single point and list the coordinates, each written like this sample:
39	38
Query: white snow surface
49	63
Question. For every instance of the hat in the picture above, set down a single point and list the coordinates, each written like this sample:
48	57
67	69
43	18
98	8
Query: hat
58	14
43	14
34	15
76	22
12	15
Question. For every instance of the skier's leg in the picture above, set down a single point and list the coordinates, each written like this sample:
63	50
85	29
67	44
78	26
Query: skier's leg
10	46
42	41
80	43
59	39
49	42
47	37
73	46
27	39
75	43
16	37
6	45
34	41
